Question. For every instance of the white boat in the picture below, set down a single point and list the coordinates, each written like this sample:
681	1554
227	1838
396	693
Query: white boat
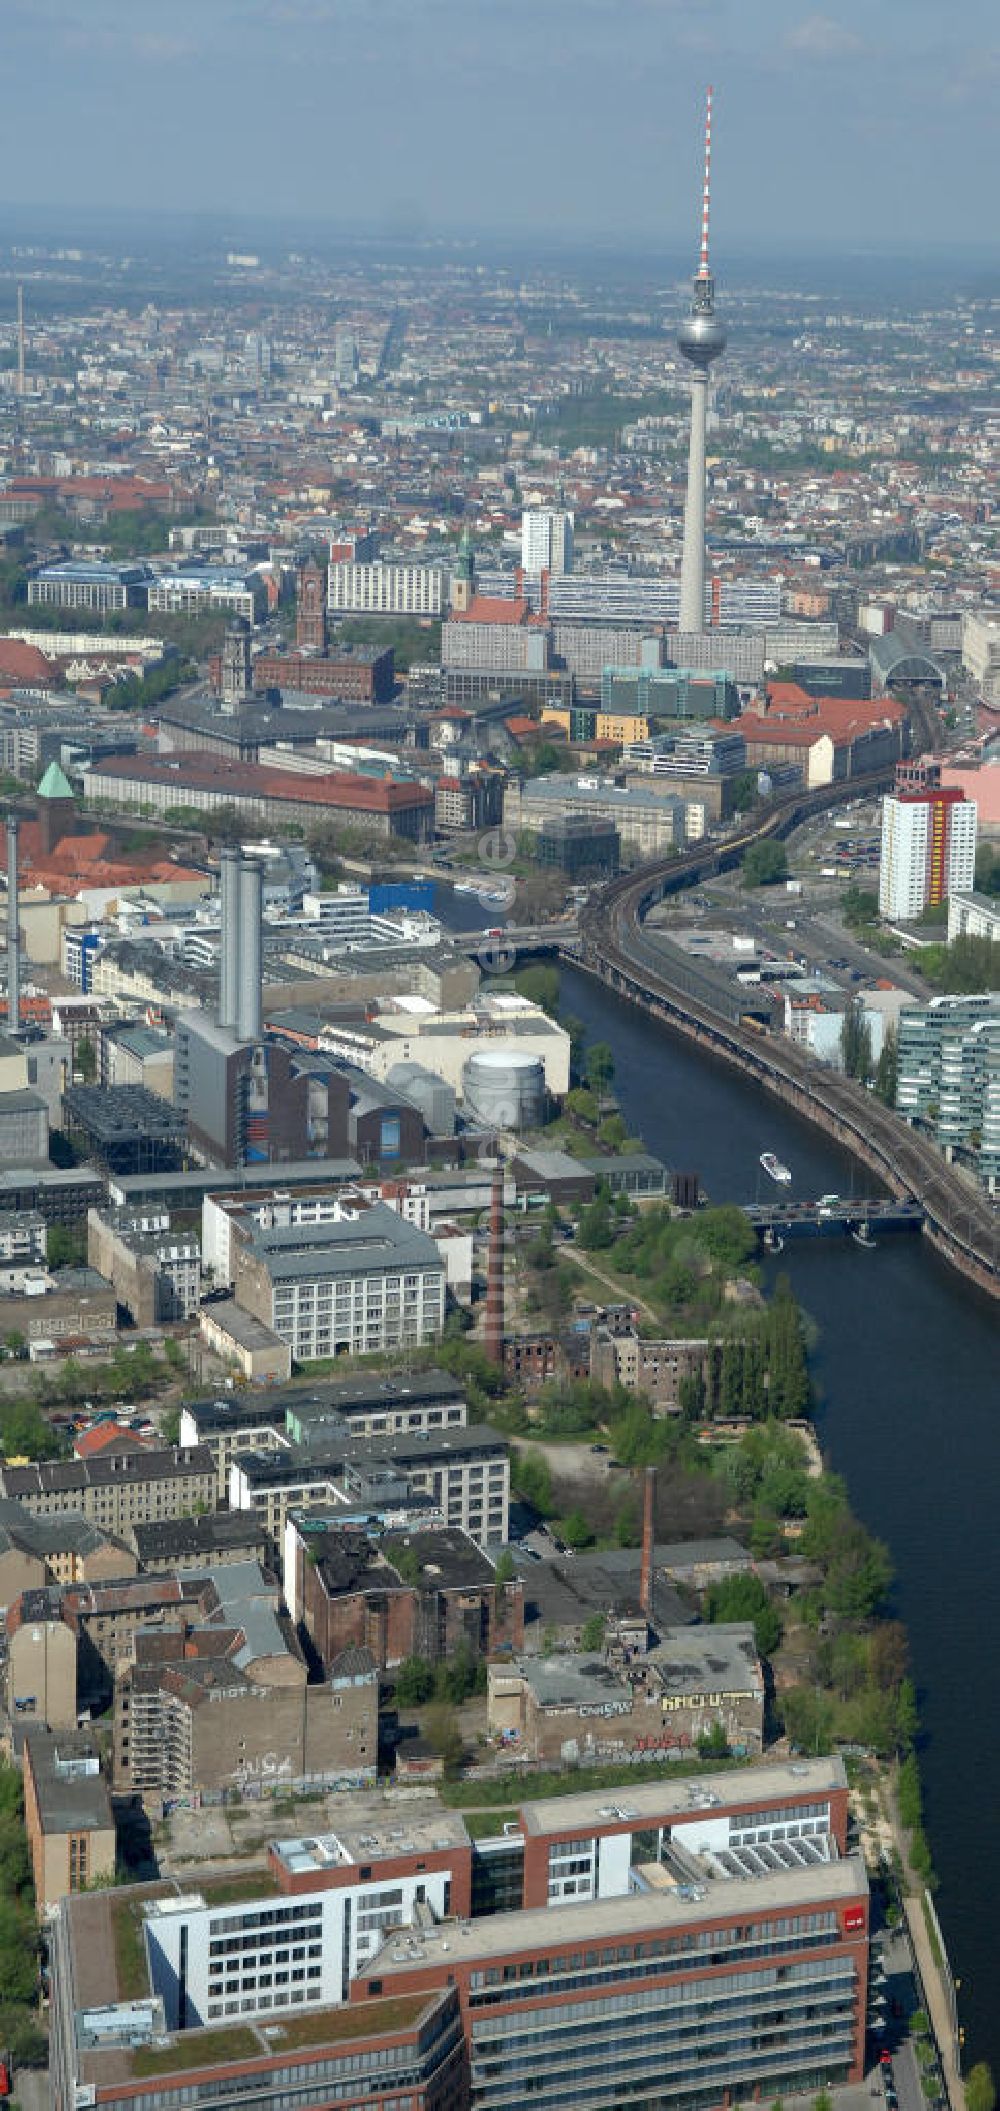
464	887
774	1168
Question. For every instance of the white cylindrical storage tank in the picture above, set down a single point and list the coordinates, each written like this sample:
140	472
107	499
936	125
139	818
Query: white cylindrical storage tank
504	1088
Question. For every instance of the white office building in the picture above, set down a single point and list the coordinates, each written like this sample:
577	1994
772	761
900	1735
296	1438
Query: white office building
546	540
274	1953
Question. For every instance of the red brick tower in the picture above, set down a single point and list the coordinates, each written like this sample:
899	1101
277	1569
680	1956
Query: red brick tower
494	1336
646	1570
310	614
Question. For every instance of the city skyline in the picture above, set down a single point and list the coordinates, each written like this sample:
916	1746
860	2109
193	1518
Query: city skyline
843	126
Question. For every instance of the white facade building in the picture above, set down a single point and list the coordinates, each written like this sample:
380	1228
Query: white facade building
546	540
412	1031
278	1953
981	651
928	853
360	1282
388	589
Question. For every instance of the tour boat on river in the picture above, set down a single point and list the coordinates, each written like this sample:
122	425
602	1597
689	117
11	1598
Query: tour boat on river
774	1168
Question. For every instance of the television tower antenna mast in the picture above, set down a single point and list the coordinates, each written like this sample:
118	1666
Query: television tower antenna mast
701	338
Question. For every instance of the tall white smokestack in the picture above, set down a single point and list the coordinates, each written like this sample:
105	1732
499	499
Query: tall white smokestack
248	974
229	956
13	930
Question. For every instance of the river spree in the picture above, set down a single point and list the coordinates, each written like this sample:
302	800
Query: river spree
908	1377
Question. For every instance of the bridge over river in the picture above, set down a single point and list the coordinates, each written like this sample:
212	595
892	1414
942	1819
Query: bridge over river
832	1217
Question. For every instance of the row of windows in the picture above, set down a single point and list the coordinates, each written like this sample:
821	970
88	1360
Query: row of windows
679	2011
613	2083
785	1815
290	1976
644	1961
809	1828
266	1917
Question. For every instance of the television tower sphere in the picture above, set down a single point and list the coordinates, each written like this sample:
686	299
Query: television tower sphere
701	336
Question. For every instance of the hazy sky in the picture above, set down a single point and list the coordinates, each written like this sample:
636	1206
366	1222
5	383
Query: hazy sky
847	123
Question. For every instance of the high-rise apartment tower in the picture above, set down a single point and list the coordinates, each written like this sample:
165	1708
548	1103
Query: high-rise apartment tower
928	850
546	541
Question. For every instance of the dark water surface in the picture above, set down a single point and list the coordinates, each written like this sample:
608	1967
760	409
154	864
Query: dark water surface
907	1368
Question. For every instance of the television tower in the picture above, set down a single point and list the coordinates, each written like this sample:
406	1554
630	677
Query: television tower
701	338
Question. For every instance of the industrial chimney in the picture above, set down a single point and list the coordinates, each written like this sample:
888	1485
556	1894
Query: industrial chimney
229	956
13	930
494	1338
646	1570
248	967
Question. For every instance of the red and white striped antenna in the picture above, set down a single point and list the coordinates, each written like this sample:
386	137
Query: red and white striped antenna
703	270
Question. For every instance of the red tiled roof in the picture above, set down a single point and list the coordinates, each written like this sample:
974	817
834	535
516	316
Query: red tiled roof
492	608
107	1436
23	663
204	772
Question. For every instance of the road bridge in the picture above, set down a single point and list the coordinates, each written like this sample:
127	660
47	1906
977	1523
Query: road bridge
832	1218
958	1218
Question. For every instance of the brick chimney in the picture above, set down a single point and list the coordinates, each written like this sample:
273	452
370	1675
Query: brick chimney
494	1336
646	1569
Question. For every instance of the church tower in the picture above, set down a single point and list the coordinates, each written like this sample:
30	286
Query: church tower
463	583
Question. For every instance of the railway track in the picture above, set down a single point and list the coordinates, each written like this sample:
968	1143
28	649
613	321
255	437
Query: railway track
959	1220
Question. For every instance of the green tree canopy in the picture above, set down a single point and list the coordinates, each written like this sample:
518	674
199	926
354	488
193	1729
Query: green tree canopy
739	1598
764	864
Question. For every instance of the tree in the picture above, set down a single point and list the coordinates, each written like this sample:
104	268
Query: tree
575	1530
745	1598
86	1062
887	1067
592	1633
597	1225
980	2089
505	1570
441	1728
809	1718
764	864
533	1481
540	984
600	1066
713	1743
414	1682
582	1106
856	1042
63	1247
